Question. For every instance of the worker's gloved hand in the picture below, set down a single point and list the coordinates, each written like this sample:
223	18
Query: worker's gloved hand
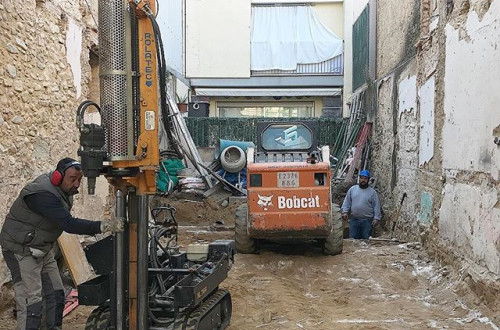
115	225
345	216
374	223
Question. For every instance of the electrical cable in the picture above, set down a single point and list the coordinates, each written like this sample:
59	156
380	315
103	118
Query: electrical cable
91	14
168	229
160	55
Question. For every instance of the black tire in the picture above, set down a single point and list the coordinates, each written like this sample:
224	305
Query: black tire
334	243
99	319
244	243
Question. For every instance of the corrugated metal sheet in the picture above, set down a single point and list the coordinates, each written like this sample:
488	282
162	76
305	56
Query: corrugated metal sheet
360	35
206	132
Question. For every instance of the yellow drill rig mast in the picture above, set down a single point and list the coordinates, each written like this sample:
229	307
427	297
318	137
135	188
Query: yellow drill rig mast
146	289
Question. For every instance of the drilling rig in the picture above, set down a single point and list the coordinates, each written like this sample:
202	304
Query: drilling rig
145	281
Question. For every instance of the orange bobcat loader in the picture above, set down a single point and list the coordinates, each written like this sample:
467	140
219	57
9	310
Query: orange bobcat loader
288	190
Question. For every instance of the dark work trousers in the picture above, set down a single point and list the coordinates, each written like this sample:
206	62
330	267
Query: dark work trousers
32	278
360	229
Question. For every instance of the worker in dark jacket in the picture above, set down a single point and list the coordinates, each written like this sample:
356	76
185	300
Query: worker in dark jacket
361	202
36	219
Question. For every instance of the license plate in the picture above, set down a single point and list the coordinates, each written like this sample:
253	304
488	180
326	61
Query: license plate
288	179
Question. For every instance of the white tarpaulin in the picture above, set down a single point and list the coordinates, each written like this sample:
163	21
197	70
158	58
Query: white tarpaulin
284	36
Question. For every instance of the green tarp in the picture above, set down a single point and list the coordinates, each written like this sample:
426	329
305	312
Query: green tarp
166	178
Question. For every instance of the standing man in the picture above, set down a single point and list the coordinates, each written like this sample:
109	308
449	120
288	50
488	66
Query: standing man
363	205
36	219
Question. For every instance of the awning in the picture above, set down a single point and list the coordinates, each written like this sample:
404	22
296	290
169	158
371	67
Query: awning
268	91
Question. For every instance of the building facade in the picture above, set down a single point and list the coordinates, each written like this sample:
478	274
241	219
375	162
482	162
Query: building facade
253	58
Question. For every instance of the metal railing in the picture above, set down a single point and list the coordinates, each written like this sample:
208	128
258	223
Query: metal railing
335	112
333	66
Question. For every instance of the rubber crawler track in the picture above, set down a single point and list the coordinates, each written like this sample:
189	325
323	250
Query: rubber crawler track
196	315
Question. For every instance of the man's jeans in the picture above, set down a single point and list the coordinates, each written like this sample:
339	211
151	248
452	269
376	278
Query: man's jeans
360	228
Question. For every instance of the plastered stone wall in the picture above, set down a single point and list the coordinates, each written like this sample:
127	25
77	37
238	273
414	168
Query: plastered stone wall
395	148
459	185
442	104
395	134
44	75
383	144
470	211
407	125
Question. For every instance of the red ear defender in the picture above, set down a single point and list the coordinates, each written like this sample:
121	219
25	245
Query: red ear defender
56	178
58	175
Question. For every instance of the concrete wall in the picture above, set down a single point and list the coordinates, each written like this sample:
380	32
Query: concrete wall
218	39
44	75
438	76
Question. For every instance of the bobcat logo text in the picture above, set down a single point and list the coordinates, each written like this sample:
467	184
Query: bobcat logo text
293	202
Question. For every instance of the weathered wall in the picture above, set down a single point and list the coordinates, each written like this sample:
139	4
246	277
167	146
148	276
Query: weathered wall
383	143
397	31
469	217
439	95
459	185
44	75
407	126
395	136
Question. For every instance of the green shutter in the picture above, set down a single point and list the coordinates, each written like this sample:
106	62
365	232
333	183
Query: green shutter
360	37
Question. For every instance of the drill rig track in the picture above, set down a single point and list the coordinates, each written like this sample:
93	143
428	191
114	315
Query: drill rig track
213	313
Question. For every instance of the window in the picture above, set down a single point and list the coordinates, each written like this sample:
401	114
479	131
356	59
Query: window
286	137
246	110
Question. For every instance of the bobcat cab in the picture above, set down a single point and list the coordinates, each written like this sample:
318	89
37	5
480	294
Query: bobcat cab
288	190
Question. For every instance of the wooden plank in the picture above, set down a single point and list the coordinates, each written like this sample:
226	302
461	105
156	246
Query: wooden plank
360	145
213	190
75	258
388	240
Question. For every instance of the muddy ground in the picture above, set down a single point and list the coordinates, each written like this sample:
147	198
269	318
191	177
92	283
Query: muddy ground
371	285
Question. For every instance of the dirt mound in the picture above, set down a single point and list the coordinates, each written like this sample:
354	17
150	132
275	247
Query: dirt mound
192	210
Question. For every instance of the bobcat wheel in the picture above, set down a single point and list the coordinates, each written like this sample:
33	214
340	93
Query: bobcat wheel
99	319
334	243
244	243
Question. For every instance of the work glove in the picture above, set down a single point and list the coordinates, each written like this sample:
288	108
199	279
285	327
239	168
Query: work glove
115	225
35	253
